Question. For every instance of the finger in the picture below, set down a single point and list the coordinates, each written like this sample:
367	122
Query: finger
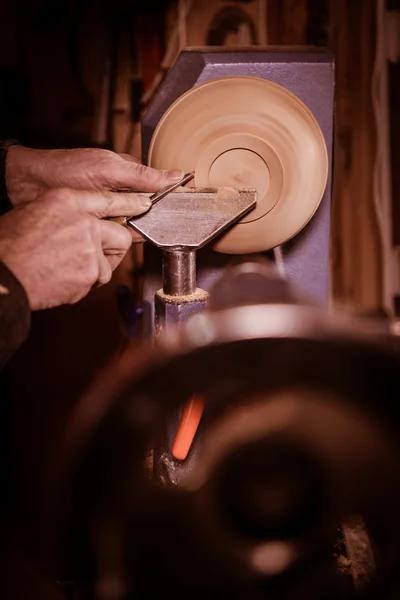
105	270
112	204
115	239
127	174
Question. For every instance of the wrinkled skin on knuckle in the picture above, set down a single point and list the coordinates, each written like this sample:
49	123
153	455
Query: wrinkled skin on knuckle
110	201
100	170
102	164
146	175
118	204
78	169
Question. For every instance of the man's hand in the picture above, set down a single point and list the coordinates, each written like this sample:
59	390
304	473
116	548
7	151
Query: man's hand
30	173
60	246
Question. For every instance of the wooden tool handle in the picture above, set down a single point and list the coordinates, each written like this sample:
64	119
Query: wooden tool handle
119	220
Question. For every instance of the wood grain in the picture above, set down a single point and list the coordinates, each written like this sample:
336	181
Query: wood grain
356	258
356	277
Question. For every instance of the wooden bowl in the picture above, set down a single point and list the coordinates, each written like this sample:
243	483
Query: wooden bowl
248	132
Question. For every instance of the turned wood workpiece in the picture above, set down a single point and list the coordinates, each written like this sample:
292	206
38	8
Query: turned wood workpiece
241	132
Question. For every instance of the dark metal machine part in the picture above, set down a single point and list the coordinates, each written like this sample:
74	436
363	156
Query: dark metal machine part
309	74
292	417
179	226
192	217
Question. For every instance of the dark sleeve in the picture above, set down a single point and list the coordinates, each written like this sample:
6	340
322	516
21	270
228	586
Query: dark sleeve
5	202
15	315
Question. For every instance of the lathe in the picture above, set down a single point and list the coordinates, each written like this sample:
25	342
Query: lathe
267	421
260	118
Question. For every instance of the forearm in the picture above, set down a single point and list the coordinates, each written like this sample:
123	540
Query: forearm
14	315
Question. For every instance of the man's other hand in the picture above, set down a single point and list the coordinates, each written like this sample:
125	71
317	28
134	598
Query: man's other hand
61	245
30	173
